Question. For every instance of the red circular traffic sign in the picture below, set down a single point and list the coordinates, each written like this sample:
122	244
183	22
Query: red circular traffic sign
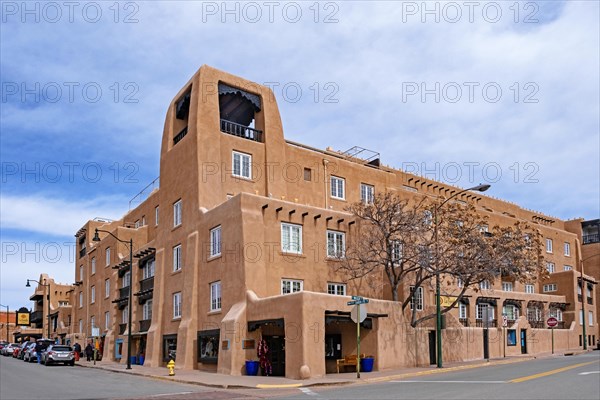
552	322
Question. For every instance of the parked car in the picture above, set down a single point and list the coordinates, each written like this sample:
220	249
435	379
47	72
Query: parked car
16	350
29	354
22	349
58	353
8	350
2	344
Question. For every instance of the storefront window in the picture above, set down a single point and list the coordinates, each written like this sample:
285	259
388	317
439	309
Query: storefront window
511	337
169	347
208	346
333	347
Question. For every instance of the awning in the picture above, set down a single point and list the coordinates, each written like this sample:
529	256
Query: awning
513	302
254	325
488	300
254	99
560	306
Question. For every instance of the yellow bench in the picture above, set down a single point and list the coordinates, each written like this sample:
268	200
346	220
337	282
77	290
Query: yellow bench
347	360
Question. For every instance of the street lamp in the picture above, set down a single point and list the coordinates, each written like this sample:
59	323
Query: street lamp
6	322
438	308
129	302
47	298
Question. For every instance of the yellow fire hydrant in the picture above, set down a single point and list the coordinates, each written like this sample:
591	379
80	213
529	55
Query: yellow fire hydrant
171	366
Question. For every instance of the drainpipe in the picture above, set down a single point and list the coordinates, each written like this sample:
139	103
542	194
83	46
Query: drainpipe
325	180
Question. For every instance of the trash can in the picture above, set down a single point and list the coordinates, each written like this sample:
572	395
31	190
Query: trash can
141	360
252	367
133	360
366	364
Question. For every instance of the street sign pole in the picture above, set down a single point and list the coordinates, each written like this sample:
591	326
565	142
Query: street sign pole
552	329
358	342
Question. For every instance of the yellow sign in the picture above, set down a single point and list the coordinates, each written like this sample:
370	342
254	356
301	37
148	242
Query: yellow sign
23	319
446	301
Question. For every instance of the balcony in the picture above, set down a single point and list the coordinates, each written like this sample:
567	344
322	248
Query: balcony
464	321
241	131
479	323
537	324
592	238
82	252
180	136
122	328
124	293
145	325
579	298
147	284
36	316
590	300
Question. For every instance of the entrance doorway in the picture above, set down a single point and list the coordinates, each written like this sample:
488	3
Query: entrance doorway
523	341
276	346
432	348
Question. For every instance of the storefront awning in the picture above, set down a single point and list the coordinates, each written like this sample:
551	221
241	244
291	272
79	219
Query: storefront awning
254	325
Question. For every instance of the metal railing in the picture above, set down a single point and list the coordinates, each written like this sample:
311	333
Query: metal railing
36	316
241	131
479	323
537	324
593	238
145	325
147	284
180	136
124	292
464	321
590	300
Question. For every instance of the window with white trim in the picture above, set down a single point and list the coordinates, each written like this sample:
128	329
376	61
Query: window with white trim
177	305
148	269
177	213
534	314
125	315
107	256
291	286
92	322
396	250
338	289
291	238
338	187
556	313
137	224
177	258
241	165
126	280
81	273
80	326
462	310
590	318
93	265
215	296
93	294
147	310
417	298
550	267
107	320
459	282
479	311
550	287
215	241
367	193
485	285
80	299
511	311
336	244
568	268
567	249
156	212
107	287
507	286
548	245
529	288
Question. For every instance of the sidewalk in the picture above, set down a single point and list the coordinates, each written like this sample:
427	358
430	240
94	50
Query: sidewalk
211	379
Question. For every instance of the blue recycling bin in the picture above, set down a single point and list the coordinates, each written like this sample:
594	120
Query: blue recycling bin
133	360
252	367
366	364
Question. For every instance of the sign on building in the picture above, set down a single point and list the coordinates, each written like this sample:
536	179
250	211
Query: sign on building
23	317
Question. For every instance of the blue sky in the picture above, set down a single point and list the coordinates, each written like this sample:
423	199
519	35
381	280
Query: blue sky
494	93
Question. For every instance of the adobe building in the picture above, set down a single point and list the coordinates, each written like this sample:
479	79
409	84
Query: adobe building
239	242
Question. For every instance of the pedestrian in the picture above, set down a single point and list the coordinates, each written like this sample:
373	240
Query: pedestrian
38	352
89	351
77	351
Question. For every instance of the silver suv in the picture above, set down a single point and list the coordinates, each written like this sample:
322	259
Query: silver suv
58	353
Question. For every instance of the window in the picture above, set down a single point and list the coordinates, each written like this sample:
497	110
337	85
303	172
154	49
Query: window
337	187
567	249
459	282
529	288
93	265
81	273
568	268
156	215
241	165
462	311
427	217
291	286
208	346
579	288
80	326
169	347
396	250
556	313
291	238
80	299
480	311
336	245
590	318
148	269
177	258
147	310
137	224
107	288
484	285
215	296
550	267
92	322
417	298
589	291
307	174
367	193
177	213
107	320
143	220
107	256
548	245
580	319
511	311
338	289
62	303
507	286
177	305
215	241
511	337
333	346
93	294
125	315
126	281
550	287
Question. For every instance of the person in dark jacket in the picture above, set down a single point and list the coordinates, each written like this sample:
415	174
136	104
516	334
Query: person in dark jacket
89	351
38	352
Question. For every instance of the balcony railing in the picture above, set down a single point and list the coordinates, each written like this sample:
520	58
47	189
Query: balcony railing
464	321
241	131
124	292
537	324
145	325
593	238
122	328
147	284
36	316
590	300
579	298
180	135
479	323
82	252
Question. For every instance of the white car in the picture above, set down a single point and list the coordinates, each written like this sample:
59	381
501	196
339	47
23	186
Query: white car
8	350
